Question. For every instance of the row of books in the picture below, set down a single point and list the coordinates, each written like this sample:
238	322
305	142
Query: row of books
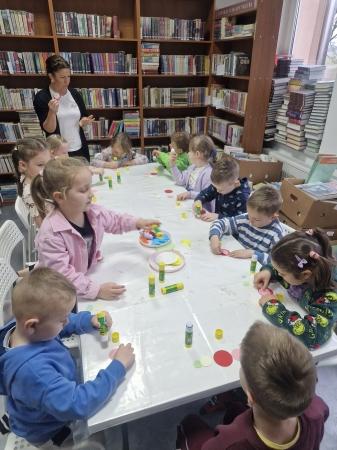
107	97
286	66
165	127
234	63
131	121
166	28
175	96
10	131
30	124
76	24
184	64
150	57
228	99
227	28
102	128
227	132
16	22
8	193
16	99
6	164
101	62
13	62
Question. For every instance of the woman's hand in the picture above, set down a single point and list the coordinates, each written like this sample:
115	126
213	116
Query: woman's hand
53	105
86	120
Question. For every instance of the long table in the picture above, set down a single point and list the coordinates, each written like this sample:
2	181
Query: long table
218	293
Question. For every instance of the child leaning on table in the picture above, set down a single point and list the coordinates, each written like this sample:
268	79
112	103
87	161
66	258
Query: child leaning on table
37	372
258	230
119	154
229	192
302	262
179	145
278	376
70	236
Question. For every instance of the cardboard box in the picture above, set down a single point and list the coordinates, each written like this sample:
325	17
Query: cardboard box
305	211
260	171
331	232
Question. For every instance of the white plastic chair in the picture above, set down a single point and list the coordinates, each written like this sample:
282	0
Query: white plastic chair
22	212
7	278
24	216
10	237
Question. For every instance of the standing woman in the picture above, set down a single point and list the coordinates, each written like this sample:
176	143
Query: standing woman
62	110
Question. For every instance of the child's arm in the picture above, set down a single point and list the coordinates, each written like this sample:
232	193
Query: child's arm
139	159
102	158
79	323
219	228
207	195
315	328
163	158
182	161
180	177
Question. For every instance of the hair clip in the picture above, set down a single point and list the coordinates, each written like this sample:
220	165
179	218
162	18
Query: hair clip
310	232
301	262
314	255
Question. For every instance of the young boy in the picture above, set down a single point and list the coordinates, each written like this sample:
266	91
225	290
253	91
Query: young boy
37	373
278	376
179	146
257	230
229	192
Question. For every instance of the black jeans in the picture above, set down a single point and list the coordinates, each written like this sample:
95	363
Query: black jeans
83	151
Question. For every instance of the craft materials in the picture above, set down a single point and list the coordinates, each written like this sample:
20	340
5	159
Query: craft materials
115	337
152	285
218	333
118	174
223	358
103	328
161	271
253	264
100	177
188	335
198	208
172	288
110	182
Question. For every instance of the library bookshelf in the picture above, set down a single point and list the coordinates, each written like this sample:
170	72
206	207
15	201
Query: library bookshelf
260	47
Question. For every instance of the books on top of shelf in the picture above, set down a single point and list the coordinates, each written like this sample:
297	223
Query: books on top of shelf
114	63
15	99
229	99
322	168
165	127
309	72
234	63
107	97
150	57
184	64
236	8
71	23
167	28
320	190
12	62
286	66
226	28
175	96
17	22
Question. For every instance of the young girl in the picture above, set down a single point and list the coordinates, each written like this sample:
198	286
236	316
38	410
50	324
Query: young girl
198	175
302	262
119	154
179	146
70	236
29	158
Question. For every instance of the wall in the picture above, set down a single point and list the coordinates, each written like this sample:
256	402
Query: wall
329	142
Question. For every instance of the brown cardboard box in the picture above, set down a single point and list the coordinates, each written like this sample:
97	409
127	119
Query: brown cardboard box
260	171
305	211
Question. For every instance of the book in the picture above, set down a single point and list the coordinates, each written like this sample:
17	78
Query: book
319	190
91	25
114	63
184	64
165	127
16	22
322	168
234	63
172	28
177	96
228	99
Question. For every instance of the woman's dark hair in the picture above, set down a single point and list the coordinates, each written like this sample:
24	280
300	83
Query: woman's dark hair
55	63
293	253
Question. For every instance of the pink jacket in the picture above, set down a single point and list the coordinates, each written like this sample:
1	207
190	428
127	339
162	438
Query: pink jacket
62	248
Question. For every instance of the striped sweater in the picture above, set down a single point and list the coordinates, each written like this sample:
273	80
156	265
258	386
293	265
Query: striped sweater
261	240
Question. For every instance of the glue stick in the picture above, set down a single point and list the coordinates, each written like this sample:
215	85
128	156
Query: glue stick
172	288
152	285
110	182
253	264
100	177
161	272
103	329
198	208
119	180
189	334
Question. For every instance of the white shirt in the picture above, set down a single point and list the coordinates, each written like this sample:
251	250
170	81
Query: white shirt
68	116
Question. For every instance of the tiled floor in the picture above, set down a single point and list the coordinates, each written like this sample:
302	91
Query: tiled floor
158	432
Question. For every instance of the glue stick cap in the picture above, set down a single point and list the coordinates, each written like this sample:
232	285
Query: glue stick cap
152	278
189	326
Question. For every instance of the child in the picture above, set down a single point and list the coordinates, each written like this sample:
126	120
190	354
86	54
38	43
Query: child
229	192
303	263
38	374
70	236
258	230
198	175
119	154
278	376
29	157
179	145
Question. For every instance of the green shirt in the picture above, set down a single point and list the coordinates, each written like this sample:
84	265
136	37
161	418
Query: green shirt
182	161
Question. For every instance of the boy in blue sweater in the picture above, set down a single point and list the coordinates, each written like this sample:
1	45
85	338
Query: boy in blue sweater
258	230
228	191
37	372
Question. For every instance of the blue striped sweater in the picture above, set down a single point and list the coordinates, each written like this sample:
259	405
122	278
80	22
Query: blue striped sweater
261	240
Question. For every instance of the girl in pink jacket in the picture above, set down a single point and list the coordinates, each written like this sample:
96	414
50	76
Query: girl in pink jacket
70	236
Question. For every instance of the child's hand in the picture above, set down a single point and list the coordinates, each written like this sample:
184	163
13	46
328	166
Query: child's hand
108	320
243	253
96	170
172	159
183	196
109	291
155	153
262	279
124	354
215	245
146	223
265	298
208	216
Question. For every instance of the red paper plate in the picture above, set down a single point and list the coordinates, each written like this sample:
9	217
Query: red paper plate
223	358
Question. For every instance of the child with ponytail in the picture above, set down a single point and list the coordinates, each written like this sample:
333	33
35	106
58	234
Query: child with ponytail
70	236
302	262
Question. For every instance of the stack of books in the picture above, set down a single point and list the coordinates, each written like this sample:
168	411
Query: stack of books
218	128
314	129
8	193
16	22
15	99
12	62
166	28
113	63
108	97
184	64
177	96
76	24
234	63
165	127
30	124
299	109
97	129
309	72
10	132
282	121
131	123
322	168
229	99
6	164
319	190
278	90
150	58
286	66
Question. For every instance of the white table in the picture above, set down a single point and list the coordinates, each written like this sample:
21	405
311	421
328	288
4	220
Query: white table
218	294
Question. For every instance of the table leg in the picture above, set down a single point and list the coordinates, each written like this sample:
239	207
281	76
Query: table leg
125	436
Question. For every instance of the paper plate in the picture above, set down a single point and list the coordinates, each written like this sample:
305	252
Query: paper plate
157	242
156	258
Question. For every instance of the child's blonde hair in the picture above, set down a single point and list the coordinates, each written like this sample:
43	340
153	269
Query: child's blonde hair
279	371
224	170
25	150
58	176
55	141
181	139
203	144
124	141
265	200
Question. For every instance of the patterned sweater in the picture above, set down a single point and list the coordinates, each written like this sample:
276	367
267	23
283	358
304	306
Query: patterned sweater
316	327
106	156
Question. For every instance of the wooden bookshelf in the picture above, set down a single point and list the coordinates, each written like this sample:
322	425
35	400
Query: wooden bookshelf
261	47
